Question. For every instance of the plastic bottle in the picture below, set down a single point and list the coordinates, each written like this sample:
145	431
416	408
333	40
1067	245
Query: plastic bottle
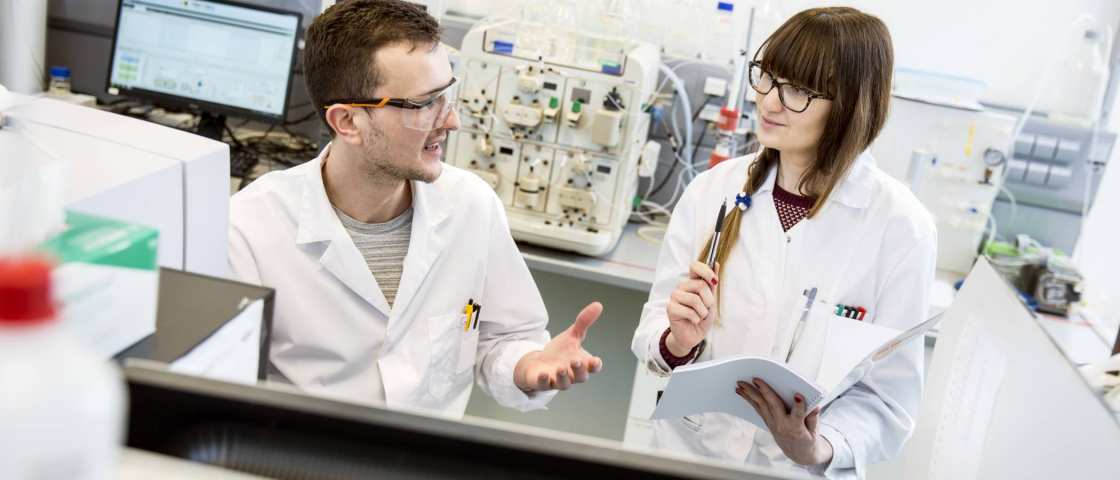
1087	77
60	82
723	45
62	408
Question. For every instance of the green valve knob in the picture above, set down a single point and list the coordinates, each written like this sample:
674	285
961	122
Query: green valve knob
554	102
577	106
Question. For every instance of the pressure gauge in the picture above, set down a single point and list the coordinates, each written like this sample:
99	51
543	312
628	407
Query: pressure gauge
994	158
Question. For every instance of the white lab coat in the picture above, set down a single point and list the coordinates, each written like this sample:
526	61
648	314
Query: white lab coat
334	333
872	245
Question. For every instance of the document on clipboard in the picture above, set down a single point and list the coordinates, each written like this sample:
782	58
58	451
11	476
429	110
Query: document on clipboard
709	387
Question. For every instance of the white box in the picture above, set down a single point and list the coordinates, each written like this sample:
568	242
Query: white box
715	87
138	172
106	281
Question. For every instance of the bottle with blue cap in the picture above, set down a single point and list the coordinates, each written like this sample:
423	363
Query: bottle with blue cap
723	43
60	81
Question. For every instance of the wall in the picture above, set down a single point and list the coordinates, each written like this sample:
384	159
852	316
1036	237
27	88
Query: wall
1002	42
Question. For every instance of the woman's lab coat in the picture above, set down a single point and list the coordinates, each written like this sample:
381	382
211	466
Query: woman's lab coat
333	331
873	245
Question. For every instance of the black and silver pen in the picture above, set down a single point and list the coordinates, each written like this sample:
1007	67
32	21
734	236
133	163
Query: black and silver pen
716	235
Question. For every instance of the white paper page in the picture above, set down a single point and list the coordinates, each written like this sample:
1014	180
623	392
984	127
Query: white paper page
241	363
877	355
209	358
849	342
710	387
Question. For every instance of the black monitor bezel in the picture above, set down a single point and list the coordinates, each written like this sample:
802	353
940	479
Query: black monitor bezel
193	104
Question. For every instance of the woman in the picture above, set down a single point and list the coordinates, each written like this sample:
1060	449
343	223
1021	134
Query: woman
812	210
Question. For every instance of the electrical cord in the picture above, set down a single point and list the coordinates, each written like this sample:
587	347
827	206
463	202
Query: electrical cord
696	114
308	116
703	133
273	150
700	141
665	180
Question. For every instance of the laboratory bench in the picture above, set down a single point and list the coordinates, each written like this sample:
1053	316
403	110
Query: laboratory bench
137	464
630	265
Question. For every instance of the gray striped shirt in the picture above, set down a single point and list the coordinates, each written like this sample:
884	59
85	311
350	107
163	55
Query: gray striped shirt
383	245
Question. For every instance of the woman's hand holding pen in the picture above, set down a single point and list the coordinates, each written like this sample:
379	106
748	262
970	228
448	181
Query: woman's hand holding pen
691	309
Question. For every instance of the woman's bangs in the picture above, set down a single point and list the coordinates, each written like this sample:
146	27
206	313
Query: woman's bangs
799	53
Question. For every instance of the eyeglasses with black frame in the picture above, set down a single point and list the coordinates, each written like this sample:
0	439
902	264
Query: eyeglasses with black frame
424	113
794	97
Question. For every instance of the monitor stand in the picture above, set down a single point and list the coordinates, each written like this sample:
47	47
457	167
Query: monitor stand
211	126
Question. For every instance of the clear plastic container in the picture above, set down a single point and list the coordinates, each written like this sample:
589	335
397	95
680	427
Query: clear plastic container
62	409
1086	73
60	82
723	45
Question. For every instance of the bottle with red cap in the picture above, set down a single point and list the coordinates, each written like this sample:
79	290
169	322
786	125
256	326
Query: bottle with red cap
61	407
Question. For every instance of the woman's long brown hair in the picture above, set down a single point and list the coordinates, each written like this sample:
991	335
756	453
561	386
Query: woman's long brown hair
847	55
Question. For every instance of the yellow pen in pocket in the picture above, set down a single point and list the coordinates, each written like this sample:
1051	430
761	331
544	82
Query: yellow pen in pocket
469	310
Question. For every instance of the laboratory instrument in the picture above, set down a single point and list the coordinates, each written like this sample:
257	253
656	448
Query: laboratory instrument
128	170
555	122
1055	284
953	157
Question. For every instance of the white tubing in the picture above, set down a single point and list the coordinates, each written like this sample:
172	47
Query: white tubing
682	94
1014	203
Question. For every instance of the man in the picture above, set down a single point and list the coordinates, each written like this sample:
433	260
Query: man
397	279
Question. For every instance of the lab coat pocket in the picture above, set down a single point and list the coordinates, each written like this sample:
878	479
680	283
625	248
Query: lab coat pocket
446	333
468	348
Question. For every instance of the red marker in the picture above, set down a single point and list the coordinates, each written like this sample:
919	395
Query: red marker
862	313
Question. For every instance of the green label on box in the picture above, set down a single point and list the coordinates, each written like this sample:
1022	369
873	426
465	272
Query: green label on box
102	241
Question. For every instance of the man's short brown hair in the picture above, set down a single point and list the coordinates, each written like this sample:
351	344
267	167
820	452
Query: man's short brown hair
339	48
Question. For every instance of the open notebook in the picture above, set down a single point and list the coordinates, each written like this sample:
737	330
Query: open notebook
854	348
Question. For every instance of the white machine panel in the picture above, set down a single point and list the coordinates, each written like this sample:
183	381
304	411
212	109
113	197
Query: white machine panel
579	122
533	178
557	131
530	99
477	96
584	186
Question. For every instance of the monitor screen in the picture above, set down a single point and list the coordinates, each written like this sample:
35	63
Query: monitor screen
218	56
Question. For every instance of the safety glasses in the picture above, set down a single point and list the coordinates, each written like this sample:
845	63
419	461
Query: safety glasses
424	113
794	97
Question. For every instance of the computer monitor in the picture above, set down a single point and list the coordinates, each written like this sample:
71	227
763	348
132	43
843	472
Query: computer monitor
213	56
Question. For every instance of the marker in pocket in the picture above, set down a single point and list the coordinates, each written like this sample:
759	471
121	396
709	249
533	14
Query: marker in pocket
849	311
